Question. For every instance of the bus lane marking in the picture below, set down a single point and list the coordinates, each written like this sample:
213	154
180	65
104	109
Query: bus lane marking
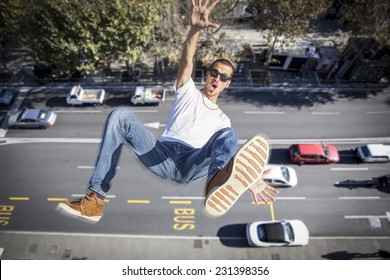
183	217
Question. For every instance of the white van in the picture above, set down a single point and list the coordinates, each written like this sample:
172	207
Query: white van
373	153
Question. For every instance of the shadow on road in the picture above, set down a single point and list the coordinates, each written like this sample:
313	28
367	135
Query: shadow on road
344	255
279	156
367	184
296	99
233	235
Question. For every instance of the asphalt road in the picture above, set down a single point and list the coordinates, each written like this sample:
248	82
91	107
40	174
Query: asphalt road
41	167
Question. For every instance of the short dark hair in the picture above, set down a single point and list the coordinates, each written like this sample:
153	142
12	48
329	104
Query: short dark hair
224	62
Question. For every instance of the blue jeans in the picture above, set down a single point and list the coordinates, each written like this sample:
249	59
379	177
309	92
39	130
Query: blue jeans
169	160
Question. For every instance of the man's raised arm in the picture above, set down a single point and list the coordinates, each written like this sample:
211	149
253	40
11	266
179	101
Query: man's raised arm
199	21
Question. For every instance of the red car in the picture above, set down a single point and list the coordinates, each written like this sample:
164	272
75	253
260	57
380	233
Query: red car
314	153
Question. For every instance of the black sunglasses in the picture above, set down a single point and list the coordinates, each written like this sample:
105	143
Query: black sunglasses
223	77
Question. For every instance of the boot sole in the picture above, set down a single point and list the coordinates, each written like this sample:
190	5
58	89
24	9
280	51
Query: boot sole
248	166
63	207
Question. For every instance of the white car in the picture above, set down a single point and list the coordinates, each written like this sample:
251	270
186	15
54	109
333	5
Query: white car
277	233
373	153
281	176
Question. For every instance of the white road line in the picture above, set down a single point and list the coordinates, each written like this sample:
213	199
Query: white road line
3	132
325	113
348	237
202	197
366	217
291	198
349	169
9	141
89	167
145	111
81	234
378	112
359	197
265	112
78	111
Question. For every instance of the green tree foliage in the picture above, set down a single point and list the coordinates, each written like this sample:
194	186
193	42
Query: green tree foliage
10	13
170	32
71	35
368	19
286	19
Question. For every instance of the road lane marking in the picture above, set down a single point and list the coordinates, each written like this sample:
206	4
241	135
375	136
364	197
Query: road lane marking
145	111
138	201
378	112
291	198
155	125
271	207
265	112
178	237
11	141
183	197
19	198
90	167
359	197
81	195
349	237
56	199
366	217
180	202
78	111
349	169
325	113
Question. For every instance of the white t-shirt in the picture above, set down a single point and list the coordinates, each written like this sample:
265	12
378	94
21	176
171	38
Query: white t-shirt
193	118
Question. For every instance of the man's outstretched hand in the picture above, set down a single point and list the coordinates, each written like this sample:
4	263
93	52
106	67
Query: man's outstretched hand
200	13
263	192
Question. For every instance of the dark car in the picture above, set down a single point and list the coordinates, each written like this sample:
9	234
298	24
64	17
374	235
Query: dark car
6	97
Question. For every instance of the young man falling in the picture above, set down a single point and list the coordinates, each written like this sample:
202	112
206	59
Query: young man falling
198	141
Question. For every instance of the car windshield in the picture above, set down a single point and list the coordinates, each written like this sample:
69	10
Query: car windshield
294	150
366	151
262	234
289	231
285	173
21	114
326	150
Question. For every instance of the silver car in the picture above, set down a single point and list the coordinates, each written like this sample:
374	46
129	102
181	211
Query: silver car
32	118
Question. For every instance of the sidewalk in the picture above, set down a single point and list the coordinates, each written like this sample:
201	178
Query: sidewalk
322	32
62	246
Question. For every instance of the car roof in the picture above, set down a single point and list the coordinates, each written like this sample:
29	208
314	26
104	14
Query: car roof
31	113
275	232
378	149
311	149
276	172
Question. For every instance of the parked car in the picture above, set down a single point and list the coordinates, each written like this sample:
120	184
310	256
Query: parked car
314	153
6	97
373	153
281	176
277	233
32	118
